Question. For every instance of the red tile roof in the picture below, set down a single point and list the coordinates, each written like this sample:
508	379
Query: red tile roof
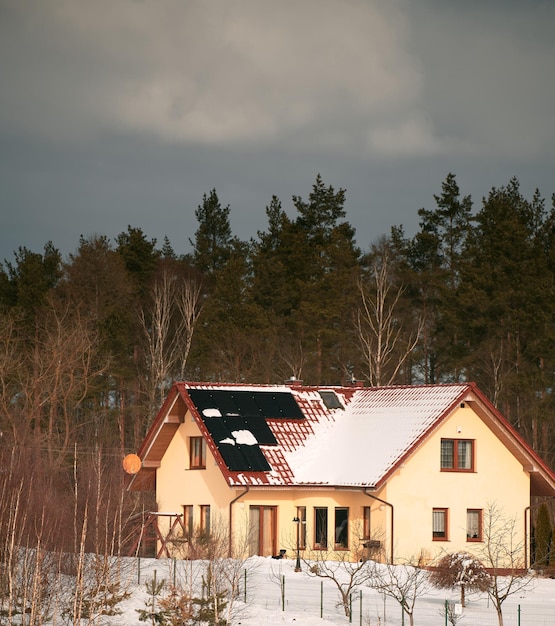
359	444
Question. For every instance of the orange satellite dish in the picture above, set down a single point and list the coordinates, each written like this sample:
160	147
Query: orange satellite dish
132	463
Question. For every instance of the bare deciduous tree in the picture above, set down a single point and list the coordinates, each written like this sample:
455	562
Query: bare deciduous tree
168	326
503	555
403	582
344	568
52	377
378	325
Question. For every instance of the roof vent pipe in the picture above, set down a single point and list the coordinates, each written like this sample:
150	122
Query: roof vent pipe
294	382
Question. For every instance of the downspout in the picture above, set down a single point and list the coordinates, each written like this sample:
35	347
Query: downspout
365	491
229	550
527	512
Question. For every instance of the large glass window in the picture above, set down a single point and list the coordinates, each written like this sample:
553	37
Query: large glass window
342	527
457	455
320	527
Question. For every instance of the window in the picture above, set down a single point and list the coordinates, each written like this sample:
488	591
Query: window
474	525
457	455
205	519
301	529
366	522
341	528
197	453
440	524
321	527
188	519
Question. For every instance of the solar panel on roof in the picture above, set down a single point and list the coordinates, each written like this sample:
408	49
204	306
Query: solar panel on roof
217	428
229	433
261	431
224	401
278	404
240	458
236	421
267	404
222	427
246	403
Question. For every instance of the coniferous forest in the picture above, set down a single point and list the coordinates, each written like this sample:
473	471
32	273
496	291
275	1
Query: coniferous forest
90	344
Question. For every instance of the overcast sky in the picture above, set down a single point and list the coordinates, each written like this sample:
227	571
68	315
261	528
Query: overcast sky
125	112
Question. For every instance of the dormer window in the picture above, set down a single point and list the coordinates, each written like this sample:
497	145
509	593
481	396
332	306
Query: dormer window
457	455
330	399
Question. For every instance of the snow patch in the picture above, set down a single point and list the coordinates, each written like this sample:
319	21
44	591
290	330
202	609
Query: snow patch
245	437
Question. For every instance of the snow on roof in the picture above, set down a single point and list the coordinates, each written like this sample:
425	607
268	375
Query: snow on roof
355	445
377	428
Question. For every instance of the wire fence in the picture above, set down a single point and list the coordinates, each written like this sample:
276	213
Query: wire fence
368	607
296	596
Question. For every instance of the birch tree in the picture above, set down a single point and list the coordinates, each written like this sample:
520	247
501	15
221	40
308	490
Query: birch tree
168	325
381	333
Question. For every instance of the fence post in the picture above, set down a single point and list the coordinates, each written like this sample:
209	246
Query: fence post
360	607
245	586
446	611
350	608
519	615
321	599
139	570
283	593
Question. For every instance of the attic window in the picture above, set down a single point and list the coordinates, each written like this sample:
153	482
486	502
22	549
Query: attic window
457	455
330	399
197	453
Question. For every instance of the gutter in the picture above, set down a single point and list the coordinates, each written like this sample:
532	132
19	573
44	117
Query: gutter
229	547
365	492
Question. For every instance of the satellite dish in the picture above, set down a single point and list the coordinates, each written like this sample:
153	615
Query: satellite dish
132	463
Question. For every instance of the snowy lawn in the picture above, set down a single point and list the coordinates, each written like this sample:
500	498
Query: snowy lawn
271	592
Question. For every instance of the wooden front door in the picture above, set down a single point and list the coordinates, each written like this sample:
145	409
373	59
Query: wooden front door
262	530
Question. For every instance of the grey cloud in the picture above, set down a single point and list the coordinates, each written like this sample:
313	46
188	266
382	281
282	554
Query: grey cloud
126	112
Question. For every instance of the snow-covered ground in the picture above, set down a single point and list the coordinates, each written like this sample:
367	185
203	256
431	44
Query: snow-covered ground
276	594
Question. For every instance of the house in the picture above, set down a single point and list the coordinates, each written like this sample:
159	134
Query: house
394	471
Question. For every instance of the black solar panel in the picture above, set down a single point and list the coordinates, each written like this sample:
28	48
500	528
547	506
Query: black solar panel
227	432
227	414
217	428
261	431
244	403
222	427
241	458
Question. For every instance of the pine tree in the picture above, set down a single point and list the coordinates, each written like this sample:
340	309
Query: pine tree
543	536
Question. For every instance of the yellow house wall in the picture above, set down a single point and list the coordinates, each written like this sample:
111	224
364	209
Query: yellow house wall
178	485
419	486
287	502
414	490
